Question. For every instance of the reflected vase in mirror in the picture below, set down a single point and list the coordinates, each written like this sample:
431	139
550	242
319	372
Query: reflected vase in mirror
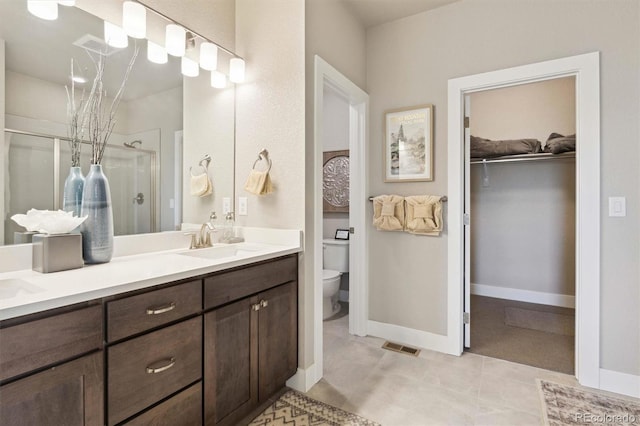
73	187
97	229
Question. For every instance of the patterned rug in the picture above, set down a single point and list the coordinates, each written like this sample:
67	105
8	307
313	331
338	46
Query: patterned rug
566	405
295	409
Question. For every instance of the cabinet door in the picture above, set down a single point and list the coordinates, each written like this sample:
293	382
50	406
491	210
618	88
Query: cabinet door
278	343
230	366
70	394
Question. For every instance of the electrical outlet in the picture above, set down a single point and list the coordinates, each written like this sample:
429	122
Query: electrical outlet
242	206
226	205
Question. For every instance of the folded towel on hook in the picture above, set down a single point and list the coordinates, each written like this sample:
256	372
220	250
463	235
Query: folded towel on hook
424	214
388	213
258	183
201	185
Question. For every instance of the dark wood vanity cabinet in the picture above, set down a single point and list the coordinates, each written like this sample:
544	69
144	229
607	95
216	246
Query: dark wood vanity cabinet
217	346
250	344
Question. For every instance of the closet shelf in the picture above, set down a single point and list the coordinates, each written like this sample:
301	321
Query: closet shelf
524	157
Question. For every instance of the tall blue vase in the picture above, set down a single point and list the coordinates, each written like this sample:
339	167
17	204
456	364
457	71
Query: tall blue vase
97	229
73	187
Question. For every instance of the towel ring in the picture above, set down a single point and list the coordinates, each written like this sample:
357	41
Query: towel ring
204	163
263	155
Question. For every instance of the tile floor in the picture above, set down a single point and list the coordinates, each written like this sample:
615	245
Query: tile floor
431	389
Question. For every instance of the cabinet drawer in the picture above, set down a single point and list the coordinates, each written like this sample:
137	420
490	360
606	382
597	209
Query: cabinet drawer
229	286
148	368
142	312
26	347
183	409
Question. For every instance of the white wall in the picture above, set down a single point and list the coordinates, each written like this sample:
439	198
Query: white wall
335	138
523	222
470	37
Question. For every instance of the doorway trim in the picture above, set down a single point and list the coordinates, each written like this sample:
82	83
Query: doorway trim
586	69
325	74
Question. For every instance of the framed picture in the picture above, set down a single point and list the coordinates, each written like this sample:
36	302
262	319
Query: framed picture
335	181
342	234
408	144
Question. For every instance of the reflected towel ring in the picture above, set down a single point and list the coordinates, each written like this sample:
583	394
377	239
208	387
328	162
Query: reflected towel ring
204	163
263	155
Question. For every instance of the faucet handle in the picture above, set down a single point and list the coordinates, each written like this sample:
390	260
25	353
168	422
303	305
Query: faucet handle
194	241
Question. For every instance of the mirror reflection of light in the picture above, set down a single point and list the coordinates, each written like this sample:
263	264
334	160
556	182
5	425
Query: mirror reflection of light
189	67
67	2
115	36
218	80
156	53
43	9
78	79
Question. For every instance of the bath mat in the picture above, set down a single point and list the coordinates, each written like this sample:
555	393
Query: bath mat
566	405
548	322
295	409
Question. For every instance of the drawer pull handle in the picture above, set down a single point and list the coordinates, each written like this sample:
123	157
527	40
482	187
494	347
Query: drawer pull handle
155	370
264	303
255	307
161	309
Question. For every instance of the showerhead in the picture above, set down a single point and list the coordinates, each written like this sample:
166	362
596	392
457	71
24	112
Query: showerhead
132	144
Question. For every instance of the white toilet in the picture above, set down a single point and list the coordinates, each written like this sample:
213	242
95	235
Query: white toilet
335	261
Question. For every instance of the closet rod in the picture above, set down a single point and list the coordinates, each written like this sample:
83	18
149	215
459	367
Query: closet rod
443	198
525	157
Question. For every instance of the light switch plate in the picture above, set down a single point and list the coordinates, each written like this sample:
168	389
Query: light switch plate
617	206
242	206
226	205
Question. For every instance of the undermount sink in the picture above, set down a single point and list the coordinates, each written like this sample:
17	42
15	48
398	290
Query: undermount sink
11	287
216	252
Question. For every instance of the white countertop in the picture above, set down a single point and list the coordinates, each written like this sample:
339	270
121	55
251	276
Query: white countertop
25	291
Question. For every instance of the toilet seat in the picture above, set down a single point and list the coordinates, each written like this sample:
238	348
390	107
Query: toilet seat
328	274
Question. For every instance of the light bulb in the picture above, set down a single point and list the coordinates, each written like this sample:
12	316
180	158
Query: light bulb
175	40
189	67
115	36
156	53
236	70
43	9
208	56
218	80
134	19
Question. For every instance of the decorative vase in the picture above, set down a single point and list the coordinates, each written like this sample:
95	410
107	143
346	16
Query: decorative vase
97	229
73	186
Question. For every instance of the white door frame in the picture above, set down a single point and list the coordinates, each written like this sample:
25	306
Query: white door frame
325	74
586	69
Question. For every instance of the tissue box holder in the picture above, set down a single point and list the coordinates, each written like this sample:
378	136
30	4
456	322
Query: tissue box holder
53	253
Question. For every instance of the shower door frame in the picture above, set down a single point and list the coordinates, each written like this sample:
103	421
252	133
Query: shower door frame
56	168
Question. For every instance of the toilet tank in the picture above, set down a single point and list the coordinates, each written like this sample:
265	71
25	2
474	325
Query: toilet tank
335	255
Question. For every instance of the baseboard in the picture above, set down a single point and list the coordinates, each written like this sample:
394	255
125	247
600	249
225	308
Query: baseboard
553	299
408	336
304	379
343	296
623	383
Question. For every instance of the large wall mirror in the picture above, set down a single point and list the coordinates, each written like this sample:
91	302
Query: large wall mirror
165	124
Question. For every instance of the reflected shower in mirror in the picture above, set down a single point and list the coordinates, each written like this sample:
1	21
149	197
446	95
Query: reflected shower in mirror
143	160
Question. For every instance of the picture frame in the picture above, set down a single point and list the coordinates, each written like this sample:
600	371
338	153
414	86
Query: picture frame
342	234
408	144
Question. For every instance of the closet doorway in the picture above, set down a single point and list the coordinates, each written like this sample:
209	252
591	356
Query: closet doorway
586	69
520	196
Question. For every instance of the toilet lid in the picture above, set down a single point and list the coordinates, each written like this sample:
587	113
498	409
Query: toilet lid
328	274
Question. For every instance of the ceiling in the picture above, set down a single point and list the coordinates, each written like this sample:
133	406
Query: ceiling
376	12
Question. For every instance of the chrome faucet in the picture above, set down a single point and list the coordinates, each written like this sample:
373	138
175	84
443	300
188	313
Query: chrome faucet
203	238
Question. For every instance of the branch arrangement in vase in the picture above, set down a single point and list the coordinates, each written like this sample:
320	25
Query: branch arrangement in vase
98	118
75	113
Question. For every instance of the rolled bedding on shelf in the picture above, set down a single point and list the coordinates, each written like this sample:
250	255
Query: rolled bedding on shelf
557	143
486	148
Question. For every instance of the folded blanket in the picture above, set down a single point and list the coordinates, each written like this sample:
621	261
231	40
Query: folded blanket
200	185
388	213
258	183
424	214
486	148
557	144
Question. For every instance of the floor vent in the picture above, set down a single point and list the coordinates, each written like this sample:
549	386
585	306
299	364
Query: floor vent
401	348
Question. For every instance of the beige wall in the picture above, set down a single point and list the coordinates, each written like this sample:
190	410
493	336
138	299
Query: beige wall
3	165
523	232
409	62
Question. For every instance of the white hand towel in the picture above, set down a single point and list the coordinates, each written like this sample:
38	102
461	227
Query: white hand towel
201	185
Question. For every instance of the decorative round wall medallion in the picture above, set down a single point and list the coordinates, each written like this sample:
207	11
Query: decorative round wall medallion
335	184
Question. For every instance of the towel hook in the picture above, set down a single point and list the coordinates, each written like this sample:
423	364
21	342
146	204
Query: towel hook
204	163
263	155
